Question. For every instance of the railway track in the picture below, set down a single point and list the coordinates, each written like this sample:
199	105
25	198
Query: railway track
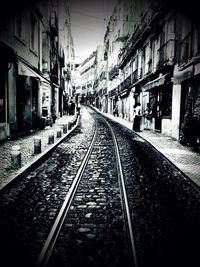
128	231
105	197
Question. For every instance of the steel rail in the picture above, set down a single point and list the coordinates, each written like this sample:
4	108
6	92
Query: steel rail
125	199
55	230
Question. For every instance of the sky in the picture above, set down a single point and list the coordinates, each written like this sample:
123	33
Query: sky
89	19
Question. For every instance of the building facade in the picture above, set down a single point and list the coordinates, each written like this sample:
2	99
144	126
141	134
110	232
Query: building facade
86	77
151	56
32	77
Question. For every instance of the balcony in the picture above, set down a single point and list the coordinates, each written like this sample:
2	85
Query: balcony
113	92
102	75
166	54
96	83
54	24
132	43
185	49
134	76
54	73
125	84
144	24
114	72
67	74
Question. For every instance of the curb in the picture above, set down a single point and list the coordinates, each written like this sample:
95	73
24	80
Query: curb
186	176
38	158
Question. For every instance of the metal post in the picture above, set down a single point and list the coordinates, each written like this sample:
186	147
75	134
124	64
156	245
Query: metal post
64	128
59	132
37	144
51	137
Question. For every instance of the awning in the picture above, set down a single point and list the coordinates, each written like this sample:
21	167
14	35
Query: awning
26	70
155	83
182	75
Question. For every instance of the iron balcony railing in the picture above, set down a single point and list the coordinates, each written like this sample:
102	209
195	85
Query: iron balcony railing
125	84
185	49
103	76
114	72
166	54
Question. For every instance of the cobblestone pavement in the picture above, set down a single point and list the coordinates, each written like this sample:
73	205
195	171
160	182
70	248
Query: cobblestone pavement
164	205
186	159
26	144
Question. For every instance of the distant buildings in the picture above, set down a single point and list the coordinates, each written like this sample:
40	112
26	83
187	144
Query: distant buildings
84	79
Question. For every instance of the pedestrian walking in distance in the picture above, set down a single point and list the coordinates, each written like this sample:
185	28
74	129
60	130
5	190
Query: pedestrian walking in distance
147	116
137	117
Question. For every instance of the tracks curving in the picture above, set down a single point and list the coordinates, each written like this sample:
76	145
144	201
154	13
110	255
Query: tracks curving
115	202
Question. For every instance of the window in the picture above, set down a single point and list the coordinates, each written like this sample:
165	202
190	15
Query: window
34	33
167	102
196	41
19	31
186	41
18	26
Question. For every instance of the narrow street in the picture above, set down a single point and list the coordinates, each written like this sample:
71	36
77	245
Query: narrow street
164	205
99	133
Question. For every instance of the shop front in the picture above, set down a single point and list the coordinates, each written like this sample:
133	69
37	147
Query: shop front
160	100
7	89
190	113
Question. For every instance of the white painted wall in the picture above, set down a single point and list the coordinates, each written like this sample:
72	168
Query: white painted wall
167	126
176	105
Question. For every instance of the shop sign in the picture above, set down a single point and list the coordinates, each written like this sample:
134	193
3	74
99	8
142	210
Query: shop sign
46	94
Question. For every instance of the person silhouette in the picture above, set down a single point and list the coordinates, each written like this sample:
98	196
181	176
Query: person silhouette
137	118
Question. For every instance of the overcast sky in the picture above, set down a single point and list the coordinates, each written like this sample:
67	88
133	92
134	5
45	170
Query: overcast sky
89	19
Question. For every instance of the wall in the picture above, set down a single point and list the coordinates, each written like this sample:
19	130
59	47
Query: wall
176	104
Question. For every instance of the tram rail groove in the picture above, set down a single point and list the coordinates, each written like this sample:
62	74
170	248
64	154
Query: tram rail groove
54	232
186	177
124	199
94	231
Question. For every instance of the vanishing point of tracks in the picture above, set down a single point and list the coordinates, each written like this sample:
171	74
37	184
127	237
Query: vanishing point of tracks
104	145
104	197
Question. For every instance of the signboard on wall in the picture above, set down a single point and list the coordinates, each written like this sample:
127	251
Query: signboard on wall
46	96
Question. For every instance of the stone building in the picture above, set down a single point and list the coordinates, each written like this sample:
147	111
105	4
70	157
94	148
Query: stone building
151	54
33	58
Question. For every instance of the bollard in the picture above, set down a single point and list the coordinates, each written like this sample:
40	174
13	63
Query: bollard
64	128
59	132
61	127
15	157
51	137
37	144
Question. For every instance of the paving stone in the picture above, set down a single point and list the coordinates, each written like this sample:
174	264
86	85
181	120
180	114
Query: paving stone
170	148
84	230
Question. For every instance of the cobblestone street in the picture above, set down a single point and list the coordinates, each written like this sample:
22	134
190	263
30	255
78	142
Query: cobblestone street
94	226
184	158
99	133
187	159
